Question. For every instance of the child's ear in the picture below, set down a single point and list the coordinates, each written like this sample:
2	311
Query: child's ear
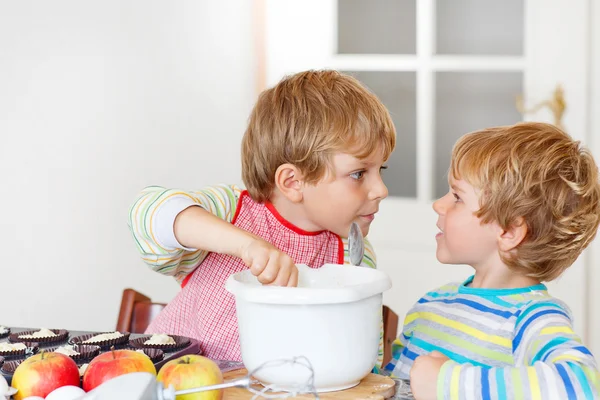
289	180
509	239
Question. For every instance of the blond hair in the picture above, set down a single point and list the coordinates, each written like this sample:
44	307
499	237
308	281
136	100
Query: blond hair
536	172
303	120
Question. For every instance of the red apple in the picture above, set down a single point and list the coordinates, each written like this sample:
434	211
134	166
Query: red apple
42	373
192	371
114	363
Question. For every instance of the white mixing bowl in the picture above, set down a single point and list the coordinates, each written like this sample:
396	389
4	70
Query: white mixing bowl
333	318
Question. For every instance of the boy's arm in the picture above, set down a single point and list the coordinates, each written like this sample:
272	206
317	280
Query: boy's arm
152	223
550	363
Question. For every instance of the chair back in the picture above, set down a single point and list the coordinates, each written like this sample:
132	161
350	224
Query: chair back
137	311
390	332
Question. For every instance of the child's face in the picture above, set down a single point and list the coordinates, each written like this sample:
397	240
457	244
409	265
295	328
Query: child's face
351	191
463	238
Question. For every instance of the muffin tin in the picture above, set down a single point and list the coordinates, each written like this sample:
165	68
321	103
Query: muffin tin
158	354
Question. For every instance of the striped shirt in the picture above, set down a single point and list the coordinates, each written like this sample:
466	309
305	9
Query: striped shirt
502	343
151	220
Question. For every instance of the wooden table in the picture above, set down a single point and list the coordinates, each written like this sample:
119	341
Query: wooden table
372	387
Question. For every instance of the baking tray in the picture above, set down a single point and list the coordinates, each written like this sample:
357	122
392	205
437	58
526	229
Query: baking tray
192	348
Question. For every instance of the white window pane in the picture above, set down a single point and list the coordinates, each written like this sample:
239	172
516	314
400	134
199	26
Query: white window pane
469	101
480	27
376	27
397	91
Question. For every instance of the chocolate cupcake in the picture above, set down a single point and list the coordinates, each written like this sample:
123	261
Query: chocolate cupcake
8	367
104	340
155	355
146	342
18	350
79	353
42	336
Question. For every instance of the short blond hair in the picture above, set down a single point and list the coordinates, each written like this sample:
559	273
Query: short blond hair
537	172
303	120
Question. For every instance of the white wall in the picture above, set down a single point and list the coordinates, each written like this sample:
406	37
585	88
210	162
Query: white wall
97	100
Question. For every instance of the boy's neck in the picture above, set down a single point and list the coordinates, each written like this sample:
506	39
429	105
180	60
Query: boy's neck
292	212
500	278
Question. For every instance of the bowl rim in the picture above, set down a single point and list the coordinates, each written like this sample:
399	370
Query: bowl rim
375	282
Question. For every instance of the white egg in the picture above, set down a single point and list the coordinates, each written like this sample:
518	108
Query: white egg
66	393
5	390
3	386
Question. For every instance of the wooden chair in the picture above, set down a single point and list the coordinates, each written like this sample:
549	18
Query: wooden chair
137	310
390	332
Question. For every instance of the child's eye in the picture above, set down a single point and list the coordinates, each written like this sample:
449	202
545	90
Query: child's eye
382	168
357	175
456	198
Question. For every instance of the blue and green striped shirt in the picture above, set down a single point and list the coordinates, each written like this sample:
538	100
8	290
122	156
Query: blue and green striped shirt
502	343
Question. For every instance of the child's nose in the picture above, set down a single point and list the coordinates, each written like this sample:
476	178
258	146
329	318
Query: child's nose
438	206
379	190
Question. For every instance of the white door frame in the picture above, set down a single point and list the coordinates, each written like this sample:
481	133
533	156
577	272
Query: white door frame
593	273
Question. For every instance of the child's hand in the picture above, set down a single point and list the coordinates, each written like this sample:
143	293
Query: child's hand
424	374
269	264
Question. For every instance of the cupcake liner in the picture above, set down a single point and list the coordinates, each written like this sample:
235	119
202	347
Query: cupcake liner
9	367
155	355
86	352
104	344
6	333
1	361
61	336
32	348
180	342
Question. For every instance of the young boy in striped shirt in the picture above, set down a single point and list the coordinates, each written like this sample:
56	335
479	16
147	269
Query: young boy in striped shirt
524	201
311	161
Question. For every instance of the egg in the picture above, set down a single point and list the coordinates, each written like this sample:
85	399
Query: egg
66	393
3	385
5	390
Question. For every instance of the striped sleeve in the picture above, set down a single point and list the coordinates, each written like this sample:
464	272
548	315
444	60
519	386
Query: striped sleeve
550	363
151	219
397	348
